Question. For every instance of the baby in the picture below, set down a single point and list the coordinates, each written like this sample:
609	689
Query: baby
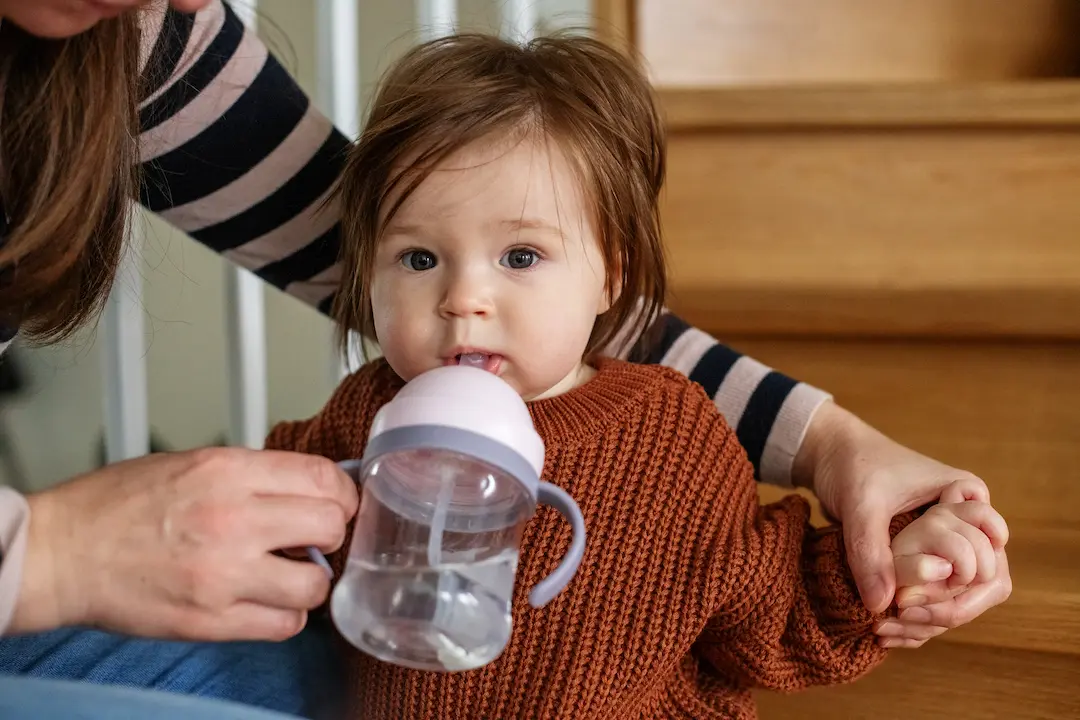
500	209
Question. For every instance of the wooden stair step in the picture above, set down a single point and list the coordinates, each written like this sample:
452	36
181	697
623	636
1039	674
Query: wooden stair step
945	681
911	210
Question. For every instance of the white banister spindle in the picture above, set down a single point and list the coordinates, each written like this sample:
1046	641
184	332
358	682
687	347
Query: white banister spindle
337	25
436	18
520	19
245	333
338	63
123	356
245	343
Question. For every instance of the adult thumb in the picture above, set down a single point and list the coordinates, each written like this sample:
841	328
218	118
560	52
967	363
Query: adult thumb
866	536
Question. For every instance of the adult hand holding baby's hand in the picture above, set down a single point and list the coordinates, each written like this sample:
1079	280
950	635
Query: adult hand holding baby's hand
864	479
181	545
945	559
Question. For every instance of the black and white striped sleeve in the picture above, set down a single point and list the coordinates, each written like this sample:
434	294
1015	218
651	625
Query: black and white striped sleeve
235	154
770	411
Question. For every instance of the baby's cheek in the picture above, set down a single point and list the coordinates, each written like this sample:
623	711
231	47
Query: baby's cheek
556	354
402	344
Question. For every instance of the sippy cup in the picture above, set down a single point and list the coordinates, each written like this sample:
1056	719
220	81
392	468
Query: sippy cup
450	476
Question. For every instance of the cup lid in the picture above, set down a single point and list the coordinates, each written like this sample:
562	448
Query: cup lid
463	409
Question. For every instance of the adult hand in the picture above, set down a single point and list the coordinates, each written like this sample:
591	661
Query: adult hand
181	545
863	478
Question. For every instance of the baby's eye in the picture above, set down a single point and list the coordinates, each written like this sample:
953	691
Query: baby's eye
519	259
419	260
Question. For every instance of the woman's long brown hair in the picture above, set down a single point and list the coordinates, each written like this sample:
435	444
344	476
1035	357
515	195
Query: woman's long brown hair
68	171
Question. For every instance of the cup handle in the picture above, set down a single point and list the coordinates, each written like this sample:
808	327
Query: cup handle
352	468
556	582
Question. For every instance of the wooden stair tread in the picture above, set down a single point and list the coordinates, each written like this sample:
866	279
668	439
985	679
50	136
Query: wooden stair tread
946	681
1034	103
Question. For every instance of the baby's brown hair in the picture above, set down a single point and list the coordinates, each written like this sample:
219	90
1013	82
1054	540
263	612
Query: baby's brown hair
575	91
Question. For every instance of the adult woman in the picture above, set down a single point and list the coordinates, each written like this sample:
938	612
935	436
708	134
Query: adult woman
230	151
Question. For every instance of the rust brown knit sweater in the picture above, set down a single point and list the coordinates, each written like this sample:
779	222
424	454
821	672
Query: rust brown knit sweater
689	594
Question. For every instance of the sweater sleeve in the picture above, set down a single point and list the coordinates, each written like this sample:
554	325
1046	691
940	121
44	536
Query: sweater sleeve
234	154
789	614
14	522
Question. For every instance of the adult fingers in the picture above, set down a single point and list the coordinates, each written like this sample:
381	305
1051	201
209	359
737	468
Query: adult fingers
278	472
866	537
967	487
244	621
277	522
278	582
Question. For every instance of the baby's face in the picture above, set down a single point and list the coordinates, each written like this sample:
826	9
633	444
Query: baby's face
494	256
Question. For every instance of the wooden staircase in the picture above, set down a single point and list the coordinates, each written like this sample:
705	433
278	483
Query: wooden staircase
913	247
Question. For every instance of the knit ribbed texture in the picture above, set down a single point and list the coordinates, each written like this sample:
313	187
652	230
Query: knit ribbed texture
689	594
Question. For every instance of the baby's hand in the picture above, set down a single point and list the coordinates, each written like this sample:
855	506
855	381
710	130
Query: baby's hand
950	565
953	546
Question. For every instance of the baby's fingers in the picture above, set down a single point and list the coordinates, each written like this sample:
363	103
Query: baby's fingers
921	569
985	563
941	539
986	518
894	633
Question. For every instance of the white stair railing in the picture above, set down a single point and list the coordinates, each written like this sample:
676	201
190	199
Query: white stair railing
127	420
436	18
520	19
245	333
337	94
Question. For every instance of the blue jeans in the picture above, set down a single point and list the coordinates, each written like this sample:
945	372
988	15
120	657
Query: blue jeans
299	676
27	698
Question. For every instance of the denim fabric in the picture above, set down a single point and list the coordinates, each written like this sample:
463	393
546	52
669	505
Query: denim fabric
23	698
299	676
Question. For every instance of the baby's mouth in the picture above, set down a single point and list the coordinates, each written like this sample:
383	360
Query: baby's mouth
483	361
